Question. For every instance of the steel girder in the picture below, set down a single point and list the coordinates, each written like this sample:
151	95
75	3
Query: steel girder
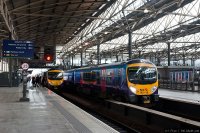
7	18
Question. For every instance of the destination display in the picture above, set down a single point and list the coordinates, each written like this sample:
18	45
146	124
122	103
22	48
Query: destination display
17	49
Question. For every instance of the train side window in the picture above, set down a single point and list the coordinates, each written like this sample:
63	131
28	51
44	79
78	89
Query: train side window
89	76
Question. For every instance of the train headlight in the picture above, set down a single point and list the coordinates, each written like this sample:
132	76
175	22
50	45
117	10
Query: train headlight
132	89
153	89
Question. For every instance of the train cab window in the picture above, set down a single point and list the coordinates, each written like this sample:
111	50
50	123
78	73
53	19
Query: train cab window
142	75
55	75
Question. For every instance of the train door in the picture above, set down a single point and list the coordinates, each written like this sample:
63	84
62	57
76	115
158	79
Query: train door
103	80
119	77
98	77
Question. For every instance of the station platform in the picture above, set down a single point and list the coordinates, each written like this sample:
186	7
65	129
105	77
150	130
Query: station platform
46	112
187	96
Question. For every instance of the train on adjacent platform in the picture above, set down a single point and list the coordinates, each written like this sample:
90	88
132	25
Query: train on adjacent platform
54	79
135	81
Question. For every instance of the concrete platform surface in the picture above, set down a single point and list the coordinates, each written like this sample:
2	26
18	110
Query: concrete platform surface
45	113
187	96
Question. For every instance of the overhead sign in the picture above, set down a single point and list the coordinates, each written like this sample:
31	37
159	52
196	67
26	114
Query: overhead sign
25	66
17	49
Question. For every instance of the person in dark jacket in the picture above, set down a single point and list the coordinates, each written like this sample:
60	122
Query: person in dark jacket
34	81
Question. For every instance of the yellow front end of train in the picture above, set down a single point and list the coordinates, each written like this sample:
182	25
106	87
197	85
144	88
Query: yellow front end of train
142	79
55	78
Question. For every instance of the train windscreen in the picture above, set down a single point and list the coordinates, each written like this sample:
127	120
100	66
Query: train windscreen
55	75
142	75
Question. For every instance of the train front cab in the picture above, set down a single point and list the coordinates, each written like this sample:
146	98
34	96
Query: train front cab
55	79
142	81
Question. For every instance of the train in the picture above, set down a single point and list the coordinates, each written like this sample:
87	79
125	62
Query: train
54	79
134	81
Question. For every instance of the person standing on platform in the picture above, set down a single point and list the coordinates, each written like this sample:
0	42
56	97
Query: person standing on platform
38	81
34	81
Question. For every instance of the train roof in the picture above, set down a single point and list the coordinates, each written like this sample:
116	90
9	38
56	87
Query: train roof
115	64
138	61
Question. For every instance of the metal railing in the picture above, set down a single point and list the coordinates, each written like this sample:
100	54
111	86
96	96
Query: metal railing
183	86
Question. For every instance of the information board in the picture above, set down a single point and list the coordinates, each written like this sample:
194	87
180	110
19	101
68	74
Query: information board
17	49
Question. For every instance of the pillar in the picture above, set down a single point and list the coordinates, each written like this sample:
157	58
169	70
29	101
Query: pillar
129	45
168	53
98	54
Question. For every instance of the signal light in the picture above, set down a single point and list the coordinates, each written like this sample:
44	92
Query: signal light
48	57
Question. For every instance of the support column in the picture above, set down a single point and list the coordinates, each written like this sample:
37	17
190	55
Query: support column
150	58
81	58
192	62
85	54
129	45
117	58
183	59
98	54
139	54
72	60
175	56
158	61
194	59
2	64
10	64
168	53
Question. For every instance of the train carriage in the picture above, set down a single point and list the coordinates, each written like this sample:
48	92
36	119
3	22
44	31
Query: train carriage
134	81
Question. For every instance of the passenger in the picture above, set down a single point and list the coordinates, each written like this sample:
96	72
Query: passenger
38	81
34	81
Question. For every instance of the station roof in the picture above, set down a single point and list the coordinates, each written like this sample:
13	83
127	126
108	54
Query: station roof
79	25
50	22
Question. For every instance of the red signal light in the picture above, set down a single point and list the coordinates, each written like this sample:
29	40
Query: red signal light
48	57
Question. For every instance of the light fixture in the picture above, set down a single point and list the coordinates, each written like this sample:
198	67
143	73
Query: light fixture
86	43
83	24
94	13
106	32
101	6
87	20
146	10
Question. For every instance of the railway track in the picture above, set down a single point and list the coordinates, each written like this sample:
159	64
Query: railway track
134	118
